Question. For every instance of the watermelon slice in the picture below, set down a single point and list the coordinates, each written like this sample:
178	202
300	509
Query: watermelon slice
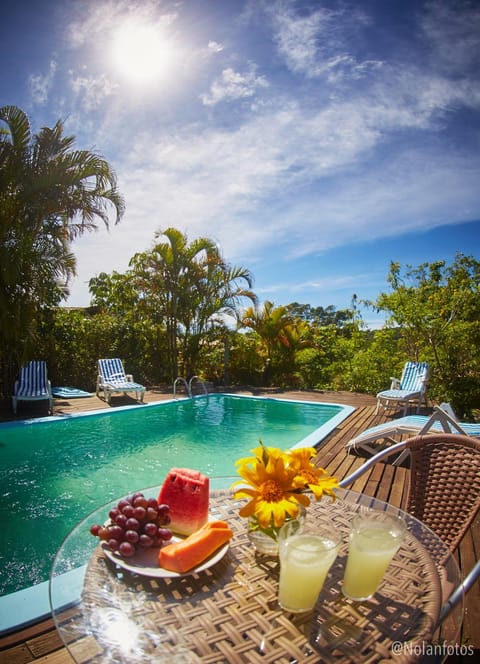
186	492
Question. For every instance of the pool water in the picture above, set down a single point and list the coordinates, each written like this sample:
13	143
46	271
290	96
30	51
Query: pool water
56	471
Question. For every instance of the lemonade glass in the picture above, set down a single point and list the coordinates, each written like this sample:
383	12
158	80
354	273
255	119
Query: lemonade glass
306	554
374	539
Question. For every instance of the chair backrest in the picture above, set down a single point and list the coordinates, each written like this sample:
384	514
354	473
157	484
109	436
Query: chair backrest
111	369
414	376
33	378
444	489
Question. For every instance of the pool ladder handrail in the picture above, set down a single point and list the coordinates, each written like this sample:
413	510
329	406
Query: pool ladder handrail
188	386
181	380
197	378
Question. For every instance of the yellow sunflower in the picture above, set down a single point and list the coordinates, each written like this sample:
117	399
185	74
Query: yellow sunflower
271	489
276	482
310	477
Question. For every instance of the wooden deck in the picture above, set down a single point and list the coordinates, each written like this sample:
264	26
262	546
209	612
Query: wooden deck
41	644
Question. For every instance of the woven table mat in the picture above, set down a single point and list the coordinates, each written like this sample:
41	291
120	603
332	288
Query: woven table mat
229	613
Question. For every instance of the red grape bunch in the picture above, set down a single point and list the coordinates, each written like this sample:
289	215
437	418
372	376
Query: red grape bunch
136	522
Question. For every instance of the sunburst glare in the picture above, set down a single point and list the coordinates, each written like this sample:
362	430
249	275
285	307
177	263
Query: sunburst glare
141	52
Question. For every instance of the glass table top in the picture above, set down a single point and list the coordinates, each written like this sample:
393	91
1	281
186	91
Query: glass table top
229	611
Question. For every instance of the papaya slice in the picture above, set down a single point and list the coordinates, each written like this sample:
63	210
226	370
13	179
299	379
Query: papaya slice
192	551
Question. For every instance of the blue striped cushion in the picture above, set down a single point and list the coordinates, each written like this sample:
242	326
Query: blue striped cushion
33	380
112	369
125	384
398	394
413	377
114	374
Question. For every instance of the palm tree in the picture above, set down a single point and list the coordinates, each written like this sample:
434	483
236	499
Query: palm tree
191	287
271	324
49	195
218	291
280	333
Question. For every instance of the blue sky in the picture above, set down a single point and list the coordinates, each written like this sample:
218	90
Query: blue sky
315	141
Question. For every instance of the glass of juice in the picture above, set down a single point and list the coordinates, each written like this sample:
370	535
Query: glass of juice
374	539
306	554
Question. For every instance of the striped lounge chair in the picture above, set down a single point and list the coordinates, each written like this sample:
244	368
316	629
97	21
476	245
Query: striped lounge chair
412	387
33	385
443	419
112	378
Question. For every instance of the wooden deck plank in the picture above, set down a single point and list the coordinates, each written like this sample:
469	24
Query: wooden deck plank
469	553
40	643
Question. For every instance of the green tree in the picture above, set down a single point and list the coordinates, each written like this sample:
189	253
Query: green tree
49	195
191	288
319	315
281	335
436	309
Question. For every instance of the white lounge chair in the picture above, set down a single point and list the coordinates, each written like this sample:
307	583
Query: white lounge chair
411	387
443	418
112	378
33	385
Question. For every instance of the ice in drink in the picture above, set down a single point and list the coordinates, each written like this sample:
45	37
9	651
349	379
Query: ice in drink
374	540
305	559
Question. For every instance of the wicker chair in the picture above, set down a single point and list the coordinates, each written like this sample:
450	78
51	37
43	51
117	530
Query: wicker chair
444	489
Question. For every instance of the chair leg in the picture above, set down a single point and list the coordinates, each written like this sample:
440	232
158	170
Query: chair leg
14	405
403	455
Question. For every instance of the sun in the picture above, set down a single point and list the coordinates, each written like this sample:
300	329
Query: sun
141	52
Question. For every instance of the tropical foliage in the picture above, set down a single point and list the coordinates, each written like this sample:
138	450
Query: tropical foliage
186	289
436	308
181	309
280	336
50	194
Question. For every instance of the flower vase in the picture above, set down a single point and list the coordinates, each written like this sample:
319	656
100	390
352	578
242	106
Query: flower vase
265	541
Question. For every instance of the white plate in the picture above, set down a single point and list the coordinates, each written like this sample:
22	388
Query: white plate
145	562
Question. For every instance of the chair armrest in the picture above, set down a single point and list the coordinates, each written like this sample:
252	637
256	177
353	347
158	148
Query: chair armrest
129	377
395	385
457	595
117	376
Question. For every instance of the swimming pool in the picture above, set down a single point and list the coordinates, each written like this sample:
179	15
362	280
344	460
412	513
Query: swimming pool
56	470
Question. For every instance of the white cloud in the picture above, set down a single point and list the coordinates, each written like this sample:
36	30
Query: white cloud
272	183
327	283
453	30
317	44
92	91
95	21
300	174
215	47
234	85
41	85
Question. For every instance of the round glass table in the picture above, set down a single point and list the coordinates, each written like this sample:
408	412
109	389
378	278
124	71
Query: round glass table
228	612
